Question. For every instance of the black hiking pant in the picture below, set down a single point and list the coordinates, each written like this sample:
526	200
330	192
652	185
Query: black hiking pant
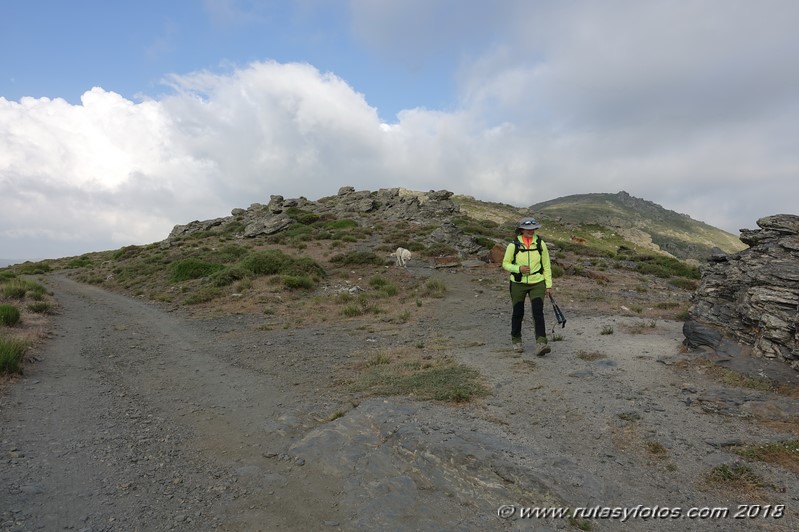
518	294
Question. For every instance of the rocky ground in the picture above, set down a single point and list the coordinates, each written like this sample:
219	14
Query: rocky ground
138	416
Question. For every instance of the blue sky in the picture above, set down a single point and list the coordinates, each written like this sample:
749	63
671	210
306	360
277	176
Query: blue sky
119	120
66	48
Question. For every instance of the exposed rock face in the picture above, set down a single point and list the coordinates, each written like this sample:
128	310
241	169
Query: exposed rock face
195	226
749	301
365	207
267	225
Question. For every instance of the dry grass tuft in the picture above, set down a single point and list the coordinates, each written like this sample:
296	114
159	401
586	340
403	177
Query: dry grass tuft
590	357
405	371
784	454
738	477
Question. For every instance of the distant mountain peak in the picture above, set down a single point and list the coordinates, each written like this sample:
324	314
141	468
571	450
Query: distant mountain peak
675	233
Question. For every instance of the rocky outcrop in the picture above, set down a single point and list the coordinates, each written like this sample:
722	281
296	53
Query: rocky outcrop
267	225
196	227
365	207
749	302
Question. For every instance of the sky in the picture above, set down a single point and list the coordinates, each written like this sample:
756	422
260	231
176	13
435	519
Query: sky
120	120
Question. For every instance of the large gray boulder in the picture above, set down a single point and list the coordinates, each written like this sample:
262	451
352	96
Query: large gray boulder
750	300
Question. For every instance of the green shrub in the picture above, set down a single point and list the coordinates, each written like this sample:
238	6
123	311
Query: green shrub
233	228
344	298
230	253
35	290
79	262
192	268
230	275
434	288
358	257
352	310
206	293
345	223
389	289
485	242
301	216
665	267
41	307
9	315
298	231
358	305
126	252
298	281
438	250
14	291
244	284
7	275
267	262
202	235
12	353
33	268
18	288
303	266
377	282
272	262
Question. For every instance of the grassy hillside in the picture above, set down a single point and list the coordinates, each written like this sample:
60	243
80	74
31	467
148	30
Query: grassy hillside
343	264
641	221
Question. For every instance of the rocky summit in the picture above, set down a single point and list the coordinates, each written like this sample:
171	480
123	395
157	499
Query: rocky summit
390	205
748	302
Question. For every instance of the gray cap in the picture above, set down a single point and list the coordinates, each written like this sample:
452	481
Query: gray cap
528	223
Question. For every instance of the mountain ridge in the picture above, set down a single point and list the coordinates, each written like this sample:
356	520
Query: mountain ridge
596	220
643	222
675	233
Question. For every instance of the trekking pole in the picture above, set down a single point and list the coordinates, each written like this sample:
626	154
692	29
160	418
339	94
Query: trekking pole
559	316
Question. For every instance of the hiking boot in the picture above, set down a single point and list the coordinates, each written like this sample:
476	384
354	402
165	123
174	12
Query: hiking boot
542	349
518	346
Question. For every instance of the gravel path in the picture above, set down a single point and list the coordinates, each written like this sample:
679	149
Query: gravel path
138	418
133	420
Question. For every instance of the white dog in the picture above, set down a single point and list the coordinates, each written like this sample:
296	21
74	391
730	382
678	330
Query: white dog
403	256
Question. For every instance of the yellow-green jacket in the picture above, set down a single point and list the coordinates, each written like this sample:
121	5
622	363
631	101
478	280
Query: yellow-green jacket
528	257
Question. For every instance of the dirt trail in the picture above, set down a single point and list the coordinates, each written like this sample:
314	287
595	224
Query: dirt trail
133	420
137	418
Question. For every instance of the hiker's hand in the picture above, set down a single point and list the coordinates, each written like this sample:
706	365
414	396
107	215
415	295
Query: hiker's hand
524	269
549	292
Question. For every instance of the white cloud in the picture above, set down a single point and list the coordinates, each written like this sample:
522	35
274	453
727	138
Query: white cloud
691	105
130	171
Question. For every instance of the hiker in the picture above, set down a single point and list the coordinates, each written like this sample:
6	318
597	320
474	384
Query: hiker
527	260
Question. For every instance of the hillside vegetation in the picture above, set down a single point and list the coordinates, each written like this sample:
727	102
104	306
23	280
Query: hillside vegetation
641	221
341	264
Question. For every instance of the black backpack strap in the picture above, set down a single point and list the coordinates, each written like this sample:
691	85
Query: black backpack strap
518	246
